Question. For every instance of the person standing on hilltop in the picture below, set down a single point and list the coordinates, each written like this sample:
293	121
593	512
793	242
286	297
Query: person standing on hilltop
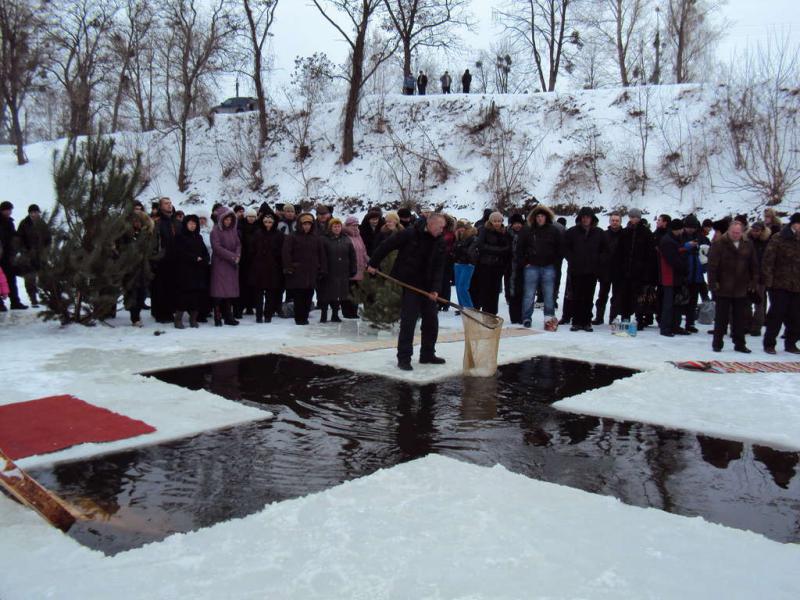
446	82
466	81
408	84
422	83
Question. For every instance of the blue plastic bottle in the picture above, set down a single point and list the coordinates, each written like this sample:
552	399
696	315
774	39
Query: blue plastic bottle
632	328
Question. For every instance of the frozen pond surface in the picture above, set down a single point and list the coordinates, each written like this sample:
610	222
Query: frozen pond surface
333	425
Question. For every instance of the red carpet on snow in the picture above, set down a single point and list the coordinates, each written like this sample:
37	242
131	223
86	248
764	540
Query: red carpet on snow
58	422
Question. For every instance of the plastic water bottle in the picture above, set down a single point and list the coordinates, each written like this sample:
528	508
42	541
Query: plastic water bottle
614	326
632	328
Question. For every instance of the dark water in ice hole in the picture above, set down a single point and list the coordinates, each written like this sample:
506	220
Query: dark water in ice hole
333	425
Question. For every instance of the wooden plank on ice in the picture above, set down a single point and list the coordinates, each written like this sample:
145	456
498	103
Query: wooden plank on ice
33	495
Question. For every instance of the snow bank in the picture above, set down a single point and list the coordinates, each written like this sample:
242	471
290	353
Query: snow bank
686	138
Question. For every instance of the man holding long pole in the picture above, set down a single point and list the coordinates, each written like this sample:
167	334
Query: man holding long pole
420	263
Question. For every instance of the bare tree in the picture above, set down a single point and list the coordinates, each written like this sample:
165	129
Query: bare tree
359	13
542	27
425	24
260	16
22	56
193	52
129	40
80	35
144	69
621	24
692	34
762	108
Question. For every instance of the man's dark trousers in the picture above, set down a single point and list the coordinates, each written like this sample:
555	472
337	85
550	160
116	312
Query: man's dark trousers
413	306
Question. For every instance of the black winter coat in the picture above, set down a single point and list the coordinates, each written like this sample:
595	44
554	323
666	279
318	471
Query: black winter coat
34	237
539	246
420	258
8	235
266	272
464	250
191	274
494	248
304	260
634	258
586	250
341	267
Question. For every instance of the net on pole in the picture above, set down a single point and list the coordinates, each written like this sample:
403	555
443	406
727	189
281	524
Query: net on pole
481	342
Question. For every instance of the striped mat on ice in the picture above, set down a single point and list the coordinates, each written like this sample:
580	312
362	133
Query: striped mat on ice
718	366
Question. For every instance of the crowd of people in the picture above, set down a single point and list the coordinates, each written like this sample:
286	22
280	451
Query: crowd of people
420	83
241	262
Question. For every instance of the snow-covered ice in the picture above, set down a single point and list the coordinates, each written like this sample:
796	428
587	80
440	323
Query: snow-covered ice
431	528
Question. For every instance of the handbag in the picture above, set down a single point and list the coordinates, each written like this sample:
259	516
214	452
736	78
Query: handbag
681	297
705	312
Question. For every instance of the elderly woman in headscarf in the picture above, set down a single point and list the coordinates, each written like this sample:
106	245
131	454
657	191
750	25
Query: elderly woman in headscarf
226	254
352	231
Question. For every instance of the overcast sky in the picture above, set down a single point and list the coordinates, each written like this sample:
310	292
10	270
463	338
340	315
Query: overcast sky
300	30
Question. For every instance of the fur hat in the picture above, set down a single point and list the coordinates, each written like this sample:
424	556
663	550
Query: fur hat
795	218
334	221
250	212
305	217
635	213
321	209
722	225
516	218
404	213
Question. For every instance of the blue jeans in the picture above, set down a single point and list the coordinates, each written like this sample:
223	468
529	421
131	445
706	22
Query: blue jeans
463	275
533	276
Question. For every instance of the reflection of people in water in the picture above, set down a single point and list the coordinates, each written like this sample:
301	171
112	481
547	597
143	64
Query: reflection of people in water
781	465
415	429
479	400
719	453
577	428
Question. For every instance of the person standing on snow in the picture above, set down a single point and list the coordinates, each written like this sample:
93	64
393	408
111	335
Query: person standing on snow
420	263
732	274
538	253
422	83
586	251
446	82
466	81
781	267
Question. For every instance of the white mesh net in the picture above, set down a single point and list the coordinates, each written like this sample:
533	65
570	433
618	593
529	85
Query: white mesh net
481	342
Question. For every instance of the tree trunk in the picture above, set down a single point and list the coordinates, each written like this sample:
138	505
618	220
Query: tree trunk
118	98
623	70
353	95
183	177
16	134
406	56
263	130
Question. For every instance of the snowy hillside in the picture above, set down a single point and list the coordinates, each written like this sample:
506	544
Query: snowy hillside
566	149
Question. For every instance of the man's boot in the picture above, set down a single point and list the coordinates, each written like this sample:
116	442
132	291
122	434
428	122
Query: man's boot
323	318
179	319
193	319
335	310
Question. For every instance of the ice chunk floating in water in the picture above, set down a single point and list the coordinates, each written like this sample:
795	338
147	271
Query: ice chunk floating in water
333	425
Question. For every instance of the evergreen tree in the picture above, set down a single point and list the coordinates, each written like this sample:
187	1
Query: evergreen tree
93	256
380	298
